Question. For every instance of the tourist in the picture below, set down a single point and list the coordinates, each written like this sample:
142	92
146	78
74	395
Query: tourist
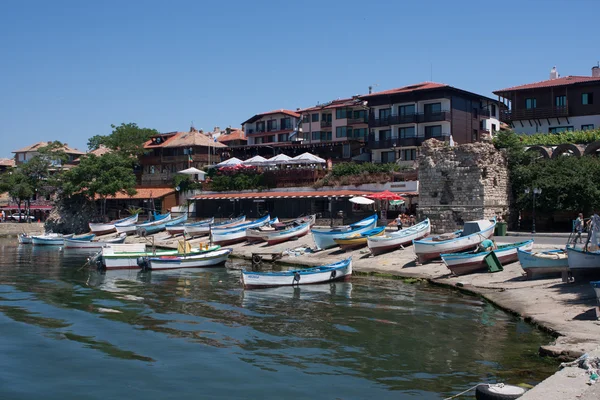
593	232
413	220
578	228
3	216
487	245
399	221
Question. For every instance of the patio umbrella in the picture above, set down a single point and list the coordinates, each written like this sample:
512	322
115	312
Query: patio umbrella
229	163
307	158
192	171
385	195
256	160
361	200
279	159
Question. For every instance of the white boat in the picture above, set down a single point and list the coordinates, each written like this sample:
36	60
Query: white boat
201	230
103	228
596	286
237	233
256	235
323	237
180	229
543	263
115	257
153	226
24	238
327	273
474	261
248	224
473	233
49	239
91	244
293	232
395	240
128	226
581	261
210	259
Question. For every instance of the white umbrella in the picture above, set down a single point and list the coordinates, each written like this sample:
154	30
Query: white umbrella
229	163
361	200
280	159
307	158
192	171
256	160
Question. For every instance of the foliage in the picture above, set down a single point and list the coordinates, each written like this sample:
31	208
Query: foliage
247	178
350	168
548	139
185	183
134	210
18	186
126	139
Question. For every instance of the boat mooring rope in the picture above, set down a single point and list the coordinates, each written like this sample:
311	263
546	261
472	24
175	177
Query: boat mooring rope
466	391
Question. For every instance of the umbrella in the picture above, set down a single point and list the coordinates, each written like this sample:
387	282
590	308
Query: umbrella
230	162
256	160
361	200
192	171
307	158
280	159
385	195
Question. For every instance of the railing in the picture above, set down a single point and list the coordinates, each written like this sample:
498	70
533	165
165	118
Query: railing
325	124
403	142
433	117
356	121
534	113
410	118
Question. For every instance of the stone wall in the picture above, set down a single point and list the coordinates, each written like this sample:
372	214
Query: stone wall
461	183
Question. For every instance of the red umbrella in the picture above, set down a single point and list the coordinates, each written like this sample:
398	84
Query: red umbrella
386	195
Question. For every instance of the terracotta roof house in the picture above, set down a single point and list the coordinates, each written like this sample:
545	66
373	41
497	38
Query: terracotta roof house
233	137
27	153
6	163
555	105
100	151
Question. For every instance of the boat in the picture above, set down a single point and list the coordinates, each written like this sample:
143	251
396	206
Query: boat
257	235
104	228
249	224
473	233
91	244
210	259
126	227
160	226
293	232
324	237
180	228
115	258
543	263
358	239
205	229
583	262
340	270
24	238
395	240
50	239
474	261
596	286
148	228
237	233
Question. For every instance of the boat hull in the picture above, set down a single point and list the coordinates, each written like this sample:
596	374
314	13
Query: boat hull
129	260
462	264
49	240
213	259
201	230
582	262
287	234
229	238
325	239
329	273
537	267
88	244
394	241
25	239
102	229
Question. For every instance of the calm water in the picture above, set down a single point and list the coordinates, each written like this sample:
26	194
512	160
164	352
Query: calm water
72	333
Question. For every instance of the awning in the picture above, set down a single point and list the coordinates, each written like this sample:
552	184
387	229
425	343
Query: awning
32	208
142	194
283	195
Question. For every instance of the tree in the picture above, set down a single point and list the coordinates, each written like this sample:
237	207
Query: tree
19	188
126	139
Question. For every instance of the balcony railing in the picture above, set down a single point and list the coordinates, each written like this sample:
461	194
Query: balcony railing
410	118
373	143
325	124
357	121
534	113
434	117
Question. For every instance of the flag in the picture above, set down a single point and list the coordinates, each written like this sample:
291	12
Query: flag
189	158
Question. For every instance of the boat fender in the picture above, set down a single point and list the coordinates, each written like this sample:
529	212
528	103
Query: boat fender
333	274
499	391
142	262
297	277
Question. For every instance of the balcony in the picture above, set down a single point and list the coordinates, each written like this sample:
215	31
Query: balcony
325	124
434	117
533	113
357	121
394	141
410	119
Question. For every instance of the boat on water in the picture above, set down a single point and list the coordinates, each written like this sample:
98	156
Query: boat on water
472	234
160	226
340	270
359	239
114	257
257	235
207	259
395	240
24	238
179	229
324	237
236	233
104	228
583	262
200	230
543	263
51	239
280	236
474	261
75	243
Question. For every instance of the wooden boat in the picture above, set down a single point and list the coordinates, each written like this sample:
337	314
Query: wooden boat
179	229
237	233
126	227
257	235
49	239
473	261
395	240
104	228
211	259
340	270
247	224
293	232
91	244
113	258
148	228
358	239
324	237
583	262
473	233
543	263
24	238
201	230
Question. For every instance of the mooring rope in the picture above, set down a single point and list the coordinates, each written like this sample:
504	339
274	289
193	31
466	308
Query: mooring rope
466	391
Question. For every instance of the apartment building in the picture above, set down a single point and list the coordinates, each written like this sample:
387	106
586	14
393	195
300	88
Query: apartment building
27	153
555	105
278	126
401	119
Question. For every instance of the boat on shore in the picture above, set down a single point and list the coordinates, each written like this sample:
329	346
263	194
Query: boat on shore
104	228
201	230
147	228
340	270
161	226
207	259
395	240
179	229
543	263
257	235
596	286
324	237
236	234
93	244
473	233
115	257
293	232
51	239
582	262
359	239
474	261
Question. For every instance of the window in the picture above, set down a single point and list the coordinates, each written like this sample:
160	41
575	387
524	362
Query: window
306	135
342	113
433	131
385	113
315	117
408	154
326	136
269	139
258	140
343	131
305	118
406	110
493	109
385	134
360	114
326	117
284	137
260	126
559	129
587	98
408	132
272	125
286	123
475	135
388	156
321	135
433	108
561	101
587	127
346	150
316	135
358	133
530	103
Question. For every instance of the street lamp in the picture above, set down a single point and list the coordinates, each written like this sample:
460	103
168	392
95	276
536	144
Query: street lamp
535	192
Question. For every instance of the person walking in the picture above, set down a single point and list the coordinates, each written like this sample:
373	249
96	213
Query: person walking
399	221
578	228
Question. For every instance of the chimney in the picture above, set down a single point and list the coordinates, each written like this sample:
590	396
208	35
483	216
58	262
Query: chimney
596	71
553	73
370	89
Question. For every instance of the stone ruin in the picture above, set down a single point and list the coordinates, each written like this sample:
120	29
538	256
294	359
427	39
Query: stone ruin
462	183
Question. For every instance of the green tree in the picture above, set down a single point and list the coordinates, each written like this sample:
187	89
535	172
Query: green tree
126	139
19	188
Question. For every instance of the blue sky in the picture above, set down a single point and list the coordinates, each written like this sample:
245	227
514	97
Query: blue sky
69	69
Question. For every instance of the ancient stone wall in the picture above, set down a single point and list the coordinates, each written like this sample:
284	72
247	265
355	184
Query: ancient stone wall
461	183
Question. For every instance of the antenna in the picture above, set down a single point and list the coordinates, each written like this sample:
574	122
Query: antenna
372	86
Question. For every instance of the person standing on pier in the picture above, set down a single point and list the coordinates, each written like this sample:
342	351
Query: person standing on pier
399	221
578	228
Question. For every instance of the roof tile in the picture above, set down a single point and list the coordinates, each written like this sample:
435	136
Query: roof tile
562	81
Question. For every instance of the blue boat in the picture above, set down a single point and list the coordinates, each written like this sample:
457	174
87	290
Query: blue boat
474	261
324	237
543	263
250	224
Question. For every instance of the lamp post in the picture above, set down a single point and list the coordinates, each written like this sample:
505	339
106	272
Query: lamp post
535	192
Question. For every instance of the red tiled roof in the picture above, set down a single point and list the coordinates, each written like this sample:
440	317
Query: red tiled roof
410	88
184	139
282	111
349	102
143	193
236	134
7	162
39	145
276	195
563	81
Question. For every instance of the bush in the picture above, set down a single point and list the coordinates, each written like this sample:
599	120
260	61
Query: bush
547	139
350	168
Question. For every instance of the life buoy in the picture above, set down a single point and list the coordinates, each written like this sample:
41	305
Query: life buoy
256	259
499	391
